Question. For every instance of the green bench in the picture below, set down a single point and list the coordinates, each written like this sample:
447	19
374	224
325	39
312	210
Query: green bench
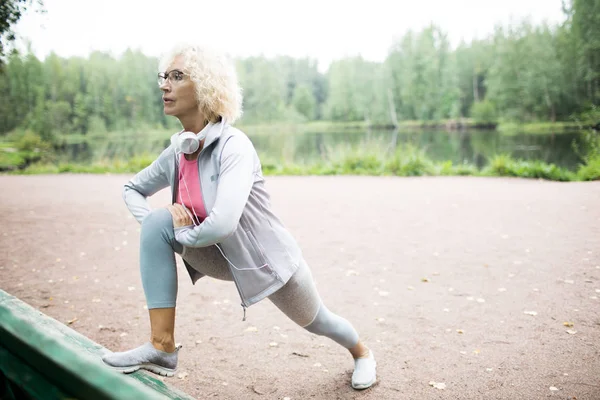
41	358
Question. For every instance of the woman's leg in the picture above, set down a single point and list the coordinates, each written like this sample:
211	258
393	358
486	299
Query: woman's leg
159	279
300	301
158	269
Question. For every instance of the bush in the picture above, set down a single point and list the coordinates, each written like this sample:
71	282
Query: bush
590	171
484	113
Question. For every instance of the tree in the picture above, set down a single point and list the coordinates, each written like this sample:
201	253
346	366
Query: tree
10	13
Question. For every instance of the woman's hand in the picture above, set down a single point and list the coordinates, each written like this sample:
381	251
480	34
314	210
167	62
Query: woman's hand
181	216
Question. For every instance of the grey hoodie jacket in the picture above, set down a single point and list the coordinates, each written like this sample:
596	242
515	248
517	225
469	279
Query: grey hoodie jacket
262	255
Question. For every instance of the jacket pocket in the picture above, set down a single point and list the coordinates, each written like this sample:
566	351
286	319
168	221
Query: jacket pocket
258	253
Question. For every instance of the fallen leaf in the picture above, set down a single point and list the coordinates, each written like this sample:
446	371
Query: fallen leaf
476	351
410	288
380	319
182	375
273	344
554	389
568	324
438	385
71	321
571	331
460	331
198	341
425	280
534	313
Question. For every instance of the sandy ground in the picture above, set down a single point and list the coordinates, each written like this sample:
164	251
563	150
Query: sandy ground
462	281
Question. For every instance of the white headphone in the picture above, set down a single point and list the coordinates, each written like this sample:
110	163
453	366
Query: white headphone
188	142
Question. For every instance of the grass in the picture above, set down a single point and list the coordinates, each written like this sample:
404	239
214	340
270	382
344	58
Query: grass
405	162
532	128
373	158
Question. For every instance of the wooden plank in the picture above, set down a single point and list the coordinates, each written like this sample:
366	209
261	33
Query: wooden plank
70	360
30	381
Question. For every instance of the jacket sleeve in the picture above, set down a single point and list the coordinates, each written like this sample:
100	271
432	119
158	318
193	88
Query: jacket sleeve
236	177
146	183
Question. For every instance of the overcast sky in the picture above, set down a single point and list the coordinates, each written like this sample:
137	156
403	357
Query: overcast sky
321	29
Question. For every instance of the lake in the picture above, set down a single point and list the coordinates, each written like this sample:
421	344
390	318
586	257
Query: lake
471	146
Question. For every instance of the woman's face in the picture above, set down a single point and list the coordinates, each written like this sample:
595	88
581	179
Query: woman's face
179	96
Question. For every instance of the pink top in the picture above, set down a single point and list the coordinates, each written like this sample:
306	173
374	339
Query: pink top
189	193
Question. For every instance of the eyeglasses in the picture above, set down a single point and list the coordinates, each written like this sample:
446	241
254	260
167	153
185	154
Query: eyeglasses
175	77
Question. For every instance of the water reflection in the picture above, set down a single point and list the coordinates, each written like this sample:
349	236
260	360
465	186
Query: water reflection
472	147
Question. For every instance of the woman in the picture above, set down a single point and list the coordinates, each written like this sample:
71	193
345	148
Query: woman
220	221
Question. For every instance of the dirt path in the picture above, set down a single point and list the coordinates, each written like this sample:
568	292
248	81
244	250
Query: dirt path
439	276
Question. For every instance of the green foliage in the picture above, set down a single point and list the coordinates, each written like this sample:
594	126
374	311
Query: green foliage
484	113
409	161
304	101
10	13
590	171
521	73
373	161
504	165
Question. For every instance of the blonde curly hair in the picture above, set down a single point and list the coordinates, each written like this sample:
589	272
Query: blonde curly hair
215	79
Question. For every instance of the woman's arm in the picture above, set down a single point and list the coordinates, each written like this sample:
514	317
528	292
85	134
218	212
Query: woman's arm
236	177
145	183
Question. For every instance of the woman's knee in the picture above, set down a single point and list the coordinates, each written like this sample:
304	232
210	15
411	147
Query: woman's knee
334	327
158	226
158	219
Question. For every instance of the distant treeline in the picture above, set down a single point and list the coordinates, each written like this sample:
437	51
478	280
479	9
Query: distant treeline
522	73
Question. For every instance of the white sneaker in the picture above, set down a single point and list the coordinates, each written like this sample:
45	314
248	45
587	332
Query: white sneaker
144	357
365	373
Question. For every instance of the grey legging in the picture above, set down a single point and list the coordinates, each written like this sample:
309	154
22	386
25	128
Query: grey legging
298	298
